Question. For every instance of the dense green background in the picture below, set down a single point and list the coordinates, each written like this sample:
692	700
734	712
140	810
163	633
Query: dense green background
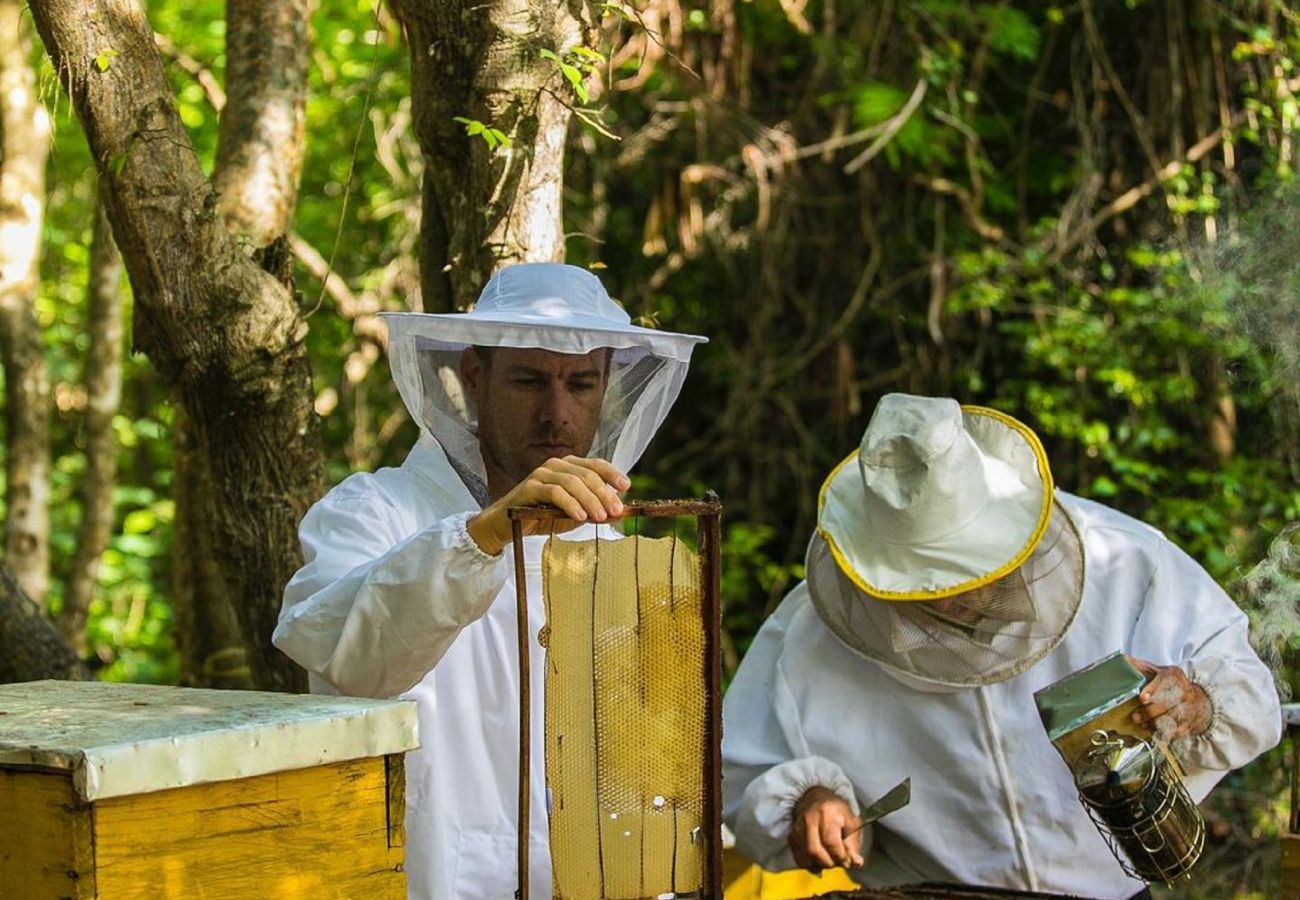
1118	351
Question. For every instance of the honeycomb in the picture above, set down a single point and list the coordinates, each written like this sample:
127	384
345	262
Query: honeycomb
625	718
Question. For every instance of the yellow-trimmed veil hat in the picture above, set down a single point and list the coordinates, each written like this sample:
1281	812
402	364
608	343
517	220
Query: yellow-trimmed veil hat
952	505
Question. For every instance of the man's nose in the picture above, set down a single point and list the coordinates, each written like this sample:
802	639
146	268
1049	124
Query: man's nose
557	408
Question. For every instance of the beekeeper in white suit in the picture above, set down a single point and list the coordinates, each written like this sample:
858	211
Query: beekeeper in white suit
544	393
946	583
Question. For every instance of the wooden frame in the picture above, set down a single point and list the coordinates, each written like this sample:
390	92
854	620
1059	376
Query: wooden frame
708	513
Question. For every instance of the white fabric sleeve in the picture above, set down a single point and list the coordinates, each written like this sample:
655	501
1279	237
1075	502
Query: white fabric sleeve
1188	620
761	779
372	610
765	816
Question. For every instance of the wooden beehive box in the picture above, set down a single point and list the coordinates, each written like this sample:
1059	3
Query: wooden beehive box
127	792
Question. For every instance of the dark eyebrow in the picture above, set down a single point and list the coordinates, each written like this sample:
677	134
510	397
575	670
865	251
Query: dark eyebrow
529	372
526	370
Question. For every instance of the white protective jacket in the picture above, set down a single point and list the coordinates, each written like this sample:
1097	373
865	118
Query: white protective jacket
993	803
396	599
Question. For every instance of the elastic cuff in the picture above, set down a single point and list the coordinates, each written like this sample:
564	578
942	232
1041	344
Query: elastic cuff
463	539
766	811
1196	747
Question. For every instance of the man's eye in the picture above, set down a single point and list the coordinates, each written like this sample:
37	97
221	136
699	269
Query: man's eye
582	386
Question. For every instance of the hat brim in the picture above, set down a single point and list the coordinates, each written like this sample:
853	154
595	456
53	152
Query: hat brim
991	545
563	334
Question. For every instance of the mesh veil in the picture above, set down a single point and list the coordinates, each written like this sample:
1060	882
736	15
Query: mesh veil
644	381
982	636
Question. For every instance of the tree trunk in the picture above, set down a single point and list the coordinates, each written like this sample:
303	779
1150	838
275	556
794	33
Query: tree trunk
223	332
259	162
103	397
262	135
485	207
209	642
30	646
26	140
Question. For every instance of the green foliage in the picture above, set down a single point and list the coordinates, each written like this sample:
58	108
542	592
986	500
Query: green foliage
493	137
1154	353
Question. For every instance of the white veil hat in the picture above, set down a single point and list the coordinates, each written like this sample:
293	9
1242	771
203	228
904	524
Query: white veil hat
547	306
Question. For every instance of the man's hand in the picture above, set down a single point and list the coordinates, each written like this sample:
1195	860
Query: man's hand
584	489
821	819
1170	703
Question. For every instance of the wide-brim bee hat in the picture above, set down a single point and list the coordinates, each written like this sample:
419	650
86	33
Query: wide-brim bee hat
546	306
940	550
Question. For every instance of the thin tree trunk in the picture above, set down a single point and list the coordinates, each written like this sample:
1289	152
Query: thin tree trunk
224	333
484	207
209	641
26	140
262	135
30	646
103	381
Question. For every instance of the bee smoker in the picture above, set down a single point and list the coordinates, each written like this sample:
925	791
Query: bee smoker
1127	779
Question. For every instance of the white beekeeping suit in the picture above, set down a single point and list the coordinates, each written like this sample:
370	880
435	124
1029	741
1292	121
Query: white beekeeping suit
395	597
947	582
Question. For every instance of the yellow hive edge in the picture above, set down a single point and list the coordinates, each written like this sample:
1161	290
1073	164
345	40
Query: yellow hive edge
744	880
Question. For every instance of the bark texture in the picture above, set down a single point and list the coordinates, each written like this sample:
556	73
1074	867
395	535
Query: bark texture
259	162
209	641
25	144
222	331
485	207
261	140
30	646
103	380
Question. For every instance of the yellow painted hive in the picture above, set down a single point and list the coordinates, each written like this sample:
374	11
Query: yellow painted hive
127	792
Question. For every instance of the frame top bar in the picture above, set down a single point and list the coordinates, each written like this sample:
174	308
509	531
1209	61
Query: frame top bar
631	509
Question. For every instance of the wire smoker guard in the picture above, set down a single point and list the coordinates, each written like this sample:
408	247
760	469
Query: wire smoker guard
1138	802
632	705
1128	780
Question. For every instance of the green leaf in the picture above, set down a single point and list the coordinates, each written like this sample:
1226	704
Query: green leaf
615	9
550	54
104	59
1011	32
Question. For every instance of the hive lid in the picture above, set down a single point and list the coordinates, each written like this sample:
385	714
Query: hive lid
123	739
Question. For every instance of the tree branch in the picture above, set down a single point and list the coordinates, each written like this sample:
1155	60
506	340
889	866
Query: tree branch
263	125
894	125
1137	193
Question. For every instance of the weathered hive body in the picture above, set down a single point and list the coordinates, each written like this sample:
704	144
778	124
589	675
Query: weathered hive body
119	792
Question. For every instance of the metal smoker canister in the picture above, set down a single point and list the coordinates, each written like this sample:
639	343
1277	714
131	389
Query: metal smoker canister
1138	802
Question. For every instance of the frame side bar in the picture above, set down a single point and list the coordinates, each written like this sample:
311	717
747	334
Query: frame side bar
711	545
525	705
